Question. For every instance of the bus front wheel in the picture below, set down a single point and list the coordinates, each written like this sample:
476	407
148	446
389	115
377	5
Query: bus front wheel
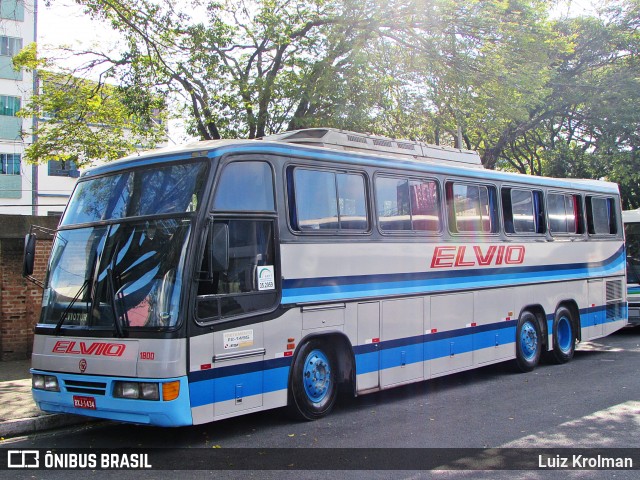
564	336
313	388
528	342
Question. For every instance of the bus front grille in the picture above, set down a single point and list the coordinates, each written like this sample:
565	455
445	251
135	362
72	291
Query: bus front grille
92	388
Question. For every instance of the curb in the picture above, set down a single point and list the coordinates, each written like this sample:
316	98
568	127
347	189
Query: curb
25	426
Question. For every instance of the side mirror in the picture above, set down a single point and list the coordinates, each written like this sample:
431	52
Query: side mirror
219	247
29	254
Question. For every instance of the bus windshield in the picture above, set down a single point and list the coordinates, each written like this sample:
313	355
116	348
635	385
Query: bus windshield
124	272
117	277
167	190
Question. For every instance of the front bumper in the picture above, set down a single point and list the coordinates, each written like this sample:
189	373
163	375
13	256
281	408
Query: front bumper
172	413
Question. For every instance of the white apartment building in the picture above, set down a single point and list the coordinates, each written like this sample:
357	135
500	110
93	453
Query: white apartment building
17	28
24	189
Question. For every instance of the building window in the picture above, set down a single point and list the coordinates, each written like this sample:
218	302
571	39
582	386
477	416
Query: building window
63	169
9	46
10	163
12	10
9	106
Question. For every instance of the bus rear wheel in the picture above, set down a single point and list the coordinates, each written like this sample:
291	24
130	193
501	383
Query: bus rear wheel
528	342
564	336
313	386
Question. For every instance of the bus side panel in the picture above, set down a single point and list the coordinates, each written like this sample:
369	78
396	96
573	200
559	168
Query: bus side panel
236	371
368	340
493	317
451	341
402	355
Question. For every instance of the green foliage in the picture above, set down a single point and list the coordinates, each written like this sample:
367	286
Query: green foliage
533	93
81	120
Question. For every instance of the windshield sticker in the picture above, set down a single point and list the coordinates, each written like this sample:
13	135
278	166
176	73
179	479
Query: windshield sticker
266	278
46	296
243	338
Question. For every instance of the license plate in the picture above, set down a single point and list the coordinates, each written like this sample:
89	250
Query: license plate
84	402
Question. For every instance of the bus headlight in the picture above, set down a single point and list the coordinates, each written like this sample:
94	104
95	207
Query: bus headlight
45	382
136	390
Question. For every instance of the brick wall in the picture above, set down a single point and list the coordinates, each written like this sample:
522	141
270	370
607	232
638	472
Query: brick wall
20	300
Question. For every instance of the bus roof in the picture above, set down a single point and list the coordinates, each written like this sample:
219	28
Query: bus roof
631	216
449	162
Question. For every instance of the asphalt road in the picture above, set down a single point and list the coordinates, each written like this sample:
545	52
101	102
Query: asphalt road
591	402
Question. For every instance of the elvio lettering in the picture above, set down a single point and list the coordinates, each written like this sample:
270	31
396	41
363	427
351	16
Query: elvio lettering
96	348
451	256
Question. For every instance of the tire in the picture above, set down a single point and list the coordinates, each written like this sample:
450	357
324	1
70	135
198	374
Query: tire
528	342
564	336
313	387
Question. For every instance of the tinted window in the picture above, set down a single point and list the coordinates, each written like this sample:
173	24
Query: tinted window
245	186
425	205
472	207
407	204
316	202
632	240
601	216
562	213
392	200
352	202
239	290
326	200
523	211
172	189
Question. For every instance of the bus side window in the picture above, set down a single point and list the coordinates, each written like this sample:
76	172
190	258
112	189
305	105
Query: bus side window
564	212
407	204
327	201
244	286
245	186
601	216
523	211
472	208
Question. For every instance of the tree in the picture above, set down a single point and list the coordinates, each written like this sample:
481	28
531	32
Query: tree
80	120
533	94
592	126
244	68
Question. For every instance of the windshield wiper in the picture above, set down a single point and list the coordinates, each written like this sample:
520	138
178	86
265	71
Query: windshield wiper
64	315
120	332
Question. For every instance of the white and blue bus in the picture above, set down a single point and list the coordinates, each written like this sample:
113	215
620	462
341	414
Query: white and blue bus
631	219
198	283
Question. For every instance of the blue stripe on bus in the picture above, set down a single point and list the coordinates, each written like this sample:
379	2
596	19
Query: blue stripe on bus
219	384
366	286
